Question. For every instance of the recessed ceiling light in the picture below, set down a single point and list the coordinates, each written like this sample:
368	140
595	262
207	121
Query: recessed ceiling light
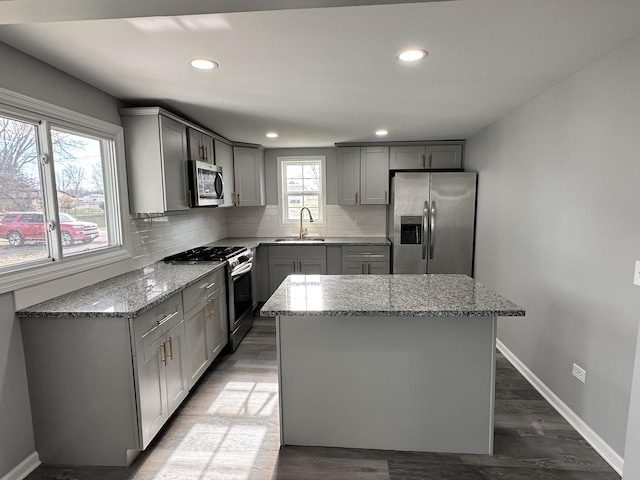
412	55
272	135
382	132
203	64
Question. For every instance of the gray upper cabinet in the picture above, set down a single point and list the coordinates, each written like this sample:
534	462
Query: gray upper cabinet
348	175
156	153
407	157
201	146
426	157
224	159
248	166
374	175
363	175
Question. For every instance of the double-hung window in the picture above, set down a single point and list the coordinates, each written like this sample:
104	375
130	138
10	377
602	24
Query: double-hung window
301	184
60	192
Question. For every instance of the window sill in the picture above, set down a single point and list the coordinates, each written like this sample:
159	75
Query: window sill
29	277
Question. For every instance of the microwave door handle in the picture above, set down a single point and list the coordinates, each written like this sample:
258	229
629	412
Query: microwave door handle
425	221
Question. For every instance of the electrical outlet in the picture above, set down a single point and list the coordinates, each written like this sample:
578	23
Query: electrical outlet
579	373
636	274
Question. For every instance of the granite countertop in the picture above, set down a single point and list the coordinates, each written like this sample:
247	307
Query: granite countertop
386	295
252	242
126	295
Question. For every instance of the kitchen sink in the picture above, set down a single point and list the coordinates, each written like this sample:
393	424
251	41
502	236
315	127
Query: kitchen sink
296	239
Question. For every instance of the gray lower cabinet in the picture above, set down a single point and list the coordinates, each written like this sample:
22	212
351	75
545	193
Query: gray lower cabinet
102	387
295	260
365	260
161	378
206	326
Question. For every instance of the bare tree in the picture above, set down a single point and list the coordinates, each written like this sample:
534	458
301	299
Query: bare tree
20	184
70	178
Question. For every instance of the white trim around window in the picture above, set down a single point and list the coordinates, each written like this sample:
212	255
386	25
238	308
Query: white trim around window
59	266
309	191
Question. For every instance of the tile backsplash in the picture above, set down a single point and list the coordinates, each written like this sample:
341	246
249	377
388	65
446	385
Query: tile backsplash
154	238
341	221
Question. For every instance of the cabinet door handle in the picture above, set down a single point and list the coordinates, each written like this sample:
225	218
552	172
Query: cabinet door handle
362	269
424	161
369	269
164	353
430	160
238	198
170	348
299	266
356	198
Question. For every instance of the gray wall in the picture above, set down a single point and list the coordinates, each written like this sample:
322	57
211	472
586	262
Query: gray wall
16	440
559	231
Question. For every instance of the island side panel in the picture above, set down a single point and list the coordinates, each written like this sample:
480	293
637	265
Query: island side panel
390	383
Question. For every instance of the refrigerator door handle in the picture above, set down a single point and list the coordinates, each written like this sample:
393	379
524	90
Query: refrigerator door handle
432	229
425	222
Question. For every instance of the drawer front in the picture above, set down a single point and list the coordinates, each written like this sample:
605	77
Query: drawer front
154	323
197	294
298	251
369	253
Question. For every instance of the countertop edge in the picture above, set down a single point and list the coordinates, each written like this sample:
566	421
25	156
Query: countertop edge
33	312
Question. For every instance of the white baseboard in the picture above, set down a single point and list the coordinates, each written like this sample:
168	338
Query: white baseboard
24	468
599	445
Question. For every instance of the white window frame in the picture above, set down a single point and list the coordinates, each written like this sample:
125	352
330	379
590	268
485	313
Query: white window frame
51	116
322	204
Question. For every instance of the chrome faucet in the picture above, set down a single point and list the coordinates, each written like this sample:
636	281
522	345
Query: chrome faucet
303	233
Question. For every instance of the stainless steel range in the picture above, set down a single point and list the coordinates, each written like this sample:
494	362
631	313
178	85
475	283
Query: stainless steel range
240	303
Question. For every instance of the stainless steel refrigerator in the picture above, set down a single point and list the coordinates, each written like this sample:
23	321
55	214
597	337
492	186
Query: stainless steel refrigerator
432	222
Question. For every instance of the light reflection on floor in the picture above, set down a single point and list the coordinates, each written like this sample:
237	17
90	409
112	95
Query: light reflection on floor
224	445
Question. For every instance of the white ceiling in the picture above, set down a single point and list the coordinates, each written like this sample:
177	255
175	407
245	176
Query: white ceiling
323	75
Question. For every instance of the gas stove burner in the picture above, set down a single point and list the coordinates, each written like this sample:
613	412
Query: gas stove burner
206	253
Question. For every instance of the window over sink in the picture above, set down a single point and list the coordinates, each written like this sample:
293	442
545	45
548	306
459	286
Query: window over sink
60	192
301	183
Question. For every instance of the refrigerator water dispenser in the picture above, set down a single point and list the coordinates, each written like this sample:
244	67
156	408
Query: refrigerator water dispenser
411	230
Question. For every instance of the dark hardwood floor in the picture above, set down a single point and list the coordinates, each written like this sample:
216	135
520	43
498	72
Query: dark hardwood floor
228	430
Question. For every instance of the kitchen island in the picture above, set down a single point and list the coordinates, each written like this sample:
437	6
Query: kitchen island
392	362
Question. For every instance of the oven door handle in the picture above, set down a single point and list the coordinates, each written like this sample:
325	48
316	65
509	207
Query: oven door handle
244	268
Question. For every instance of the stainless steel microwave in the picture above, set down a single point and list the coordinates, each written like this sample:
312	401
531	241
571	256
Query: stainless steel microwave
206	184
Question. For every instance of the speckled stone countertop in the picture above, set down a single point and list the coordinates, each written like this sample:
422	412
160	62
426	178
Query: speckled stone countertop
126	295
386	295
252	242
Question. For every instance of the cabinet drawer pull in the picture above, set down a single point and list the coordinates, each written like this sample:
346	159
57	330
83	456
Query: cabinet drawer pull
207	287
166	318
170	348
